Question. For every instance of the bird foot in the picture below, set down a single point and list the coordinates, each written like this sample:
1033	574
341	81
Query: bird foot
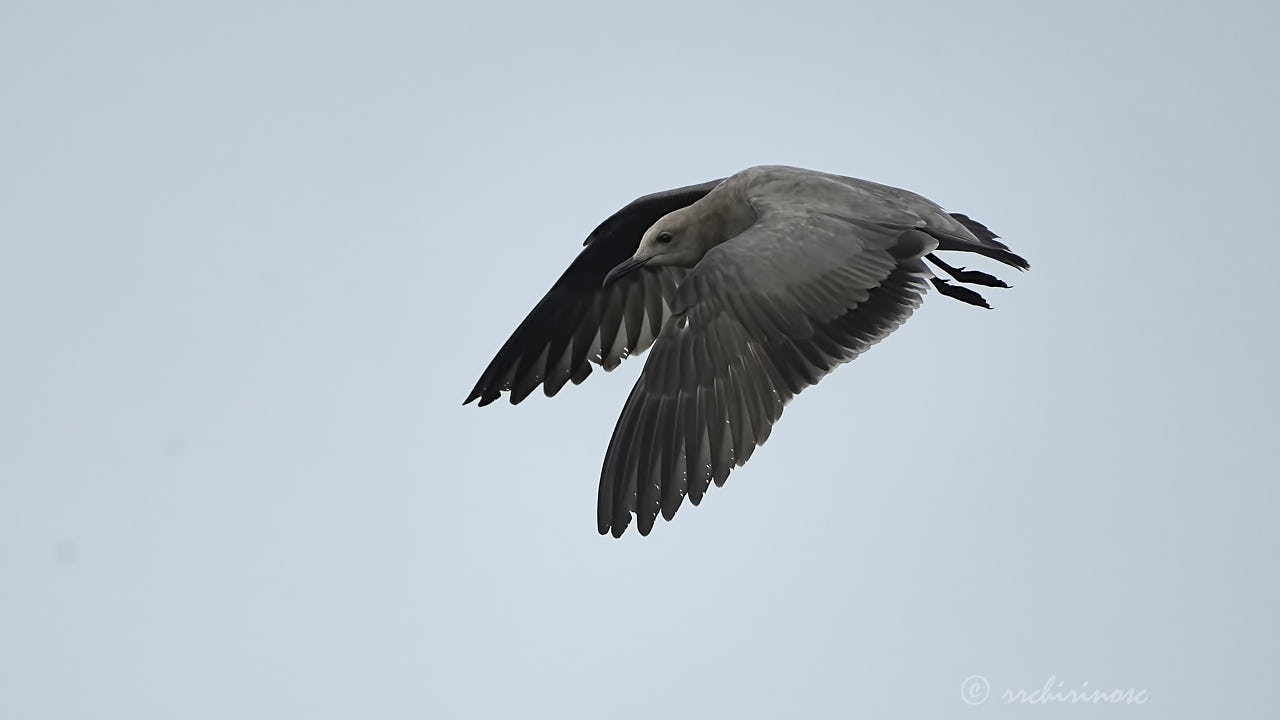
960	293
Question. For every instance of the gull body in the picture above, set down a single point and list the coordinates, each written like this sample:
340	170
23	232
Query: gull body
749	289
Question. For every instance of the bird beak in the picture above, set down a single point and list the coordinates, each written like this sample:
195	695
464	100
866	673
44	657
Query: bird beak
626	267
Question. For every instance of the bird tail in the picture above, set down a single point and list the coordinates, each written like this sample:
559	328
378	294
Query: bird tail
982	242
987	243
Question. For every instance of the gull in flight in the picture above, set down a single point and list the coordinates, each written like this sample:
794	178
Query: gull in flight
749	289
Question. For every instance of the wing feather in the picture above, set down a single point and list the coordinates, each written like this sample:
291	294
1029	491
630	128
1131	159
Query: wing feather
745	336
578	322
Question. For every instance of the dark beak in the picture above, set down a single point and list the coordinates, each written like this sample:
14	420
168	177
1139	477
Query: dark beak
626	267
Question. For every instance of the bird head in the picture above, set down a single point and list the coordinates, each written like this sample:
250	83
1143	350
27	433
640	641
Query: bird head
677	238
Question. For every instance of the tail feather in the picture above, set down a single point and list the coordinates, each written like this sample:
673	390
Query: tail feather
987	243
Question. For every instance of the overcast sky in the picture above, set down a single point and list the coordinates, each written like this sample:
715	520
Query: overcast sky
254	255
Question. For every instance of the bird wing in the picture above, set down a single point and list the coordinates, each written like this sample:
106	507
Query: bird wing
807	287
579	322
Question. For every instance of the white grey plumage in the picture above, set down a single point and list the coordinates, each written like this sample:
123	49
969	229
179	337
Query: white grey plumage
754	287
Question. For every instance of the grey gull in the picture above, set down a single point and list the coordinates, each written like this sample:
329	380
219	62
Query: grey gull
749	288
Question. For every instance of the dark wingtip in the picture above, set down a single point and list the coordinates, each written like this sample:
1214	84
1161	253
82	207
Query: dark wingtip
616	526
484	392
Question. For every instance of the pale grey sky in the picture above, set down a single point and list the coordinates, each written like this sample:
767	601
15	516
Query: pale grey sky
254	255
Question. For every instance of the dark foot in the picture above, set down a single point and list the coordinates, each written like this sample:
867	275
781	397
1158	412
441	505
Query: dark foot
977	277
973	277
960	293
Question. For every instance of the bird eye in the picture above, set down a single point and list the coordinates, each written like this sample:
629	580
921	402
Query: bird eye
664	237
